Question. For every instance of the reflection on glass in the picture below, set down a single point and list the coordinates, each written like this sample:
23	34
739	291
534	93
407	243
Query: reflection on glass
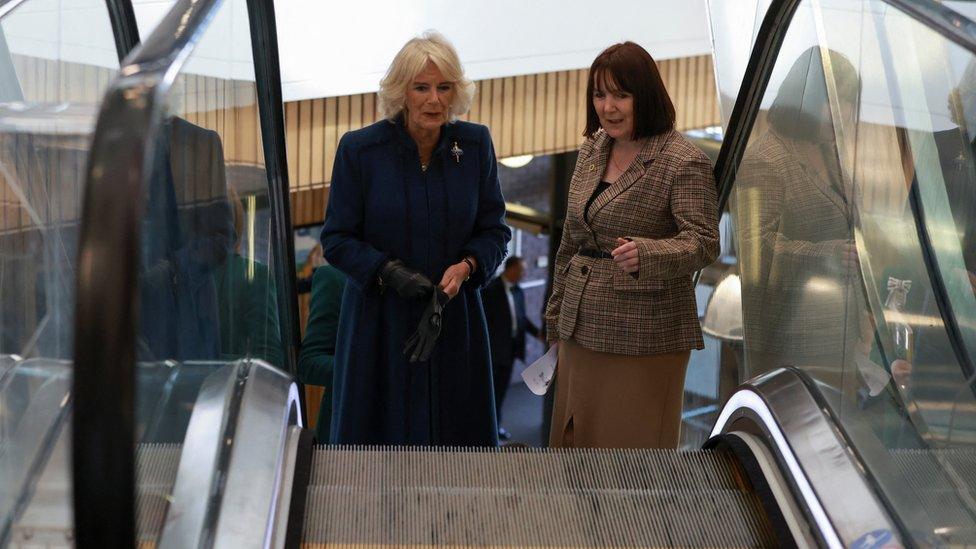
206	288
52	78
855	210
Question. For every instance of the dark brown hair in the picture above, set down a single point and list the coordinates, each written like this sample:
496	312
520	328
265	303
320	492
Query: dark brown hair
634	71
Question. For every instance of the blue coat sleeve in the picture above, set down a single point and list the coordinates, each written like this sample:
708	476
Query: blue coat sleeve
342	234
489	239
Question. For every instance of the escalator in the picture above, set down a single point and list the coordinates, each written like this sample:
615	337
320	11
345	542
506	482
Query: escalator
598	498
149	327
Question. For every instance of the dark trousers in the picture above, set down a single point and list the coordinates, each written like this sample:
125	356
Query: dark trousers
502	367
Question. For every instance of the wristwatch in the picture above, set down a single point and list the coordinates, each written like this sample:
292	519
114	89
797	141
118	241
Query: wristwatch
470	267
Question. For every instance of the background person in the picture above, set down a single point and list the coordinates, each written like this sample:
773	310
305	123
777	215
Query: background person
507	325
415	201
641	218
316	361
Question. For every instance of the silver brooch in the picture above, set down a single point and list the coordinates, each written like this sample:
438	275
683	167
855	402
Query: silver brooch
457	152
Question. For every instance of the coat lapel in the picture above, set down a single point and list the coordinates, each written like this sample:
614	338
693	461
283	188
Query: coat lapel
634	172
592	172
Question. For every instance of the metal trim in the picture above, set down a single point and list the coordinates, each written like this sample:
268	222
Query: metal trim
297	448
124	26
826	473
258	464
264	45
204	446
7	6
106	290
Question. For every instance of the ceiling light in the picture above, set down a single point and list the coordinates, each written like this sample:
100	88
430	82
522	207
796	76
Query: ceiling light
516	161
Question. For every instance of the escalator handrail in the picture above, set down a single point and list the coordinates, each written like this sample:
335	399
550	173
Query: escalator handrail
124	26
106	289
762	60
785	405
264	45
948	22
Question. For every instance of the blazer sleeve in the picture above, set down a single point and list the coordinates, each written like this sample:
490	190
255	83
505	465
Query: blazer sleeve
489	239
342	233
555	302
316	361
564	254
694	205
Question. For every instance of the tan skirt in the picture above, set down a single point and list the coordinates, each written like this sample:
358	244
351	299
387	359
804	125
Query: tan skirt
605	400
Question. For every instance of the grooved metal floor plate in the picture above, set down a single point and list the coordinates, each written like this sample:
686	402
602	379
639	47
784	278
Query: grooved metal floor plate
570	498
156	466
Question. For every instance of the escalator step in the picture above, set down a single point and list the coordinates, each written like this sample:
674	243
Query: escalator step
156	466
524	498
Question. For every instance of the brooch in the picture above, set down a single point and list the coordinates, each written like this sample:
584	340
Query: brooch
457	152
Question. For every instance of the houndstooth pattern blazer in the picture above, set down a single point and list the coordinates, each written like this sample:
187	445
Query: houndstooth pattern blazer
667	203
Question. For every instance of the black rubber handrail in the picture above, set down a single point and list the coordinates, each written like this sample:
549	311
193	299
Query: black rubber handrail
106	291
264	44
760	68
124	26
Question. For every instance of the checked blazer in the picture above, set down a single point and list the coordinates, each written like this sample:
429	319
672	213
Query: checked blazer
665	202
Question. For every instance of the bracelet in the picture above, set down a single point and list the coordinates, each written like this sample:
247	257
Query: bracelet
470	268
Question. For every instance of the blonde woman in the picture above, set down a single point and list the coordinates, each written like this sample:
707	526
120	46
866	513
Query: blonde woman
416	222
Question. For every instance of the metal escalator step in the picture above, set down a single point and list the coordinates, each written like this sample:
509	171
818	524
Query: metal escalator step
47	519
156	466
944	480
529	498
529	469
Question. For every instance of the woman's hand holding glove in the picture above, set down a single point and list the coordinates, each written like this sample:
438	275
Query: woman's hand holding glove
408	283
422	341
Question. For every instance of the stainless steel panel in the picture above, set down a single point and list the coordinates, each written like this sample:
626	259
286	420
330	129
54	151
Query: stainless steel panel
199	472
257	463
829	481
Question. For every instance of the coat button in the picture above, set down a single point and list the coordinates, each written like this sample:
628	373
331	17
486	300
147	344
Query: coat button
585	270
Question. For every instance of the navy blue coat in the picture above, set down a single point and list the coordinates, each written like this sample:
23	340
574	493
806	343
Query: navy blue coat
383	206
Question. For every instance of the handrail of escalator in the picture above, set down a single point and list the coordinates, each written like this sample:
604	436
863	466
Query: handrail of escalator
124	26
264	46
758	72
825	469
107	282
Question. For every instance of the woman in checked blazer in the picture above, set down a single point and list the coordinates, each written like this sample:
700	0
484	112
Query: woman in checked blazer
641	219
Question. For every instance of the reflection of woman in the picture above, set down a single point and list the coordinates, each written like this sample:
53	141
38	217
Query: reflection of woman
247	302
794	223
641	218
415	201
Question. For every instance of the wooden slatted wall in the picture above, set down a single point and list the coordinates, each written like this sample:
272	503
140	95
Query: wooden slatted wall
531	114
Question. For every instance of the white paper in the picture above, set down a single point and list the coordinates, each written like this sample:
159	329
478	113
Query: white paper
538	376
874	375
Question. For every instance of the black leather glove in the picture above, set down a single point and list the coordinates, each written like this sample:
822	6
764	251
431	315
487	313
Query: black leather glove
408	283
422	341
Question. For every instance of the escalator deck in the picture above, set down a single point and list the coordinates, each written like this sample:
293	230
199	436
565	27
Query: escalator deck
570	498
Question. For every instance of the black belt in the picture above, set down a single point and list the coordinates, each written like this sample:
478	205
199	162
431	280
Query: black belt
595	253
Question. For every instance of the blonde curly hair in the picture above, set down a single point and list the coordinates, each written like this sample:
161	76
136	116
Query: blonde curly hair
410	61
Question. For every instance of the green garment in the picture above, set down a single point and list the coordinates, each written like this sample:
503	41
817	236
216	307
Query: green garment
248	308
317	360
